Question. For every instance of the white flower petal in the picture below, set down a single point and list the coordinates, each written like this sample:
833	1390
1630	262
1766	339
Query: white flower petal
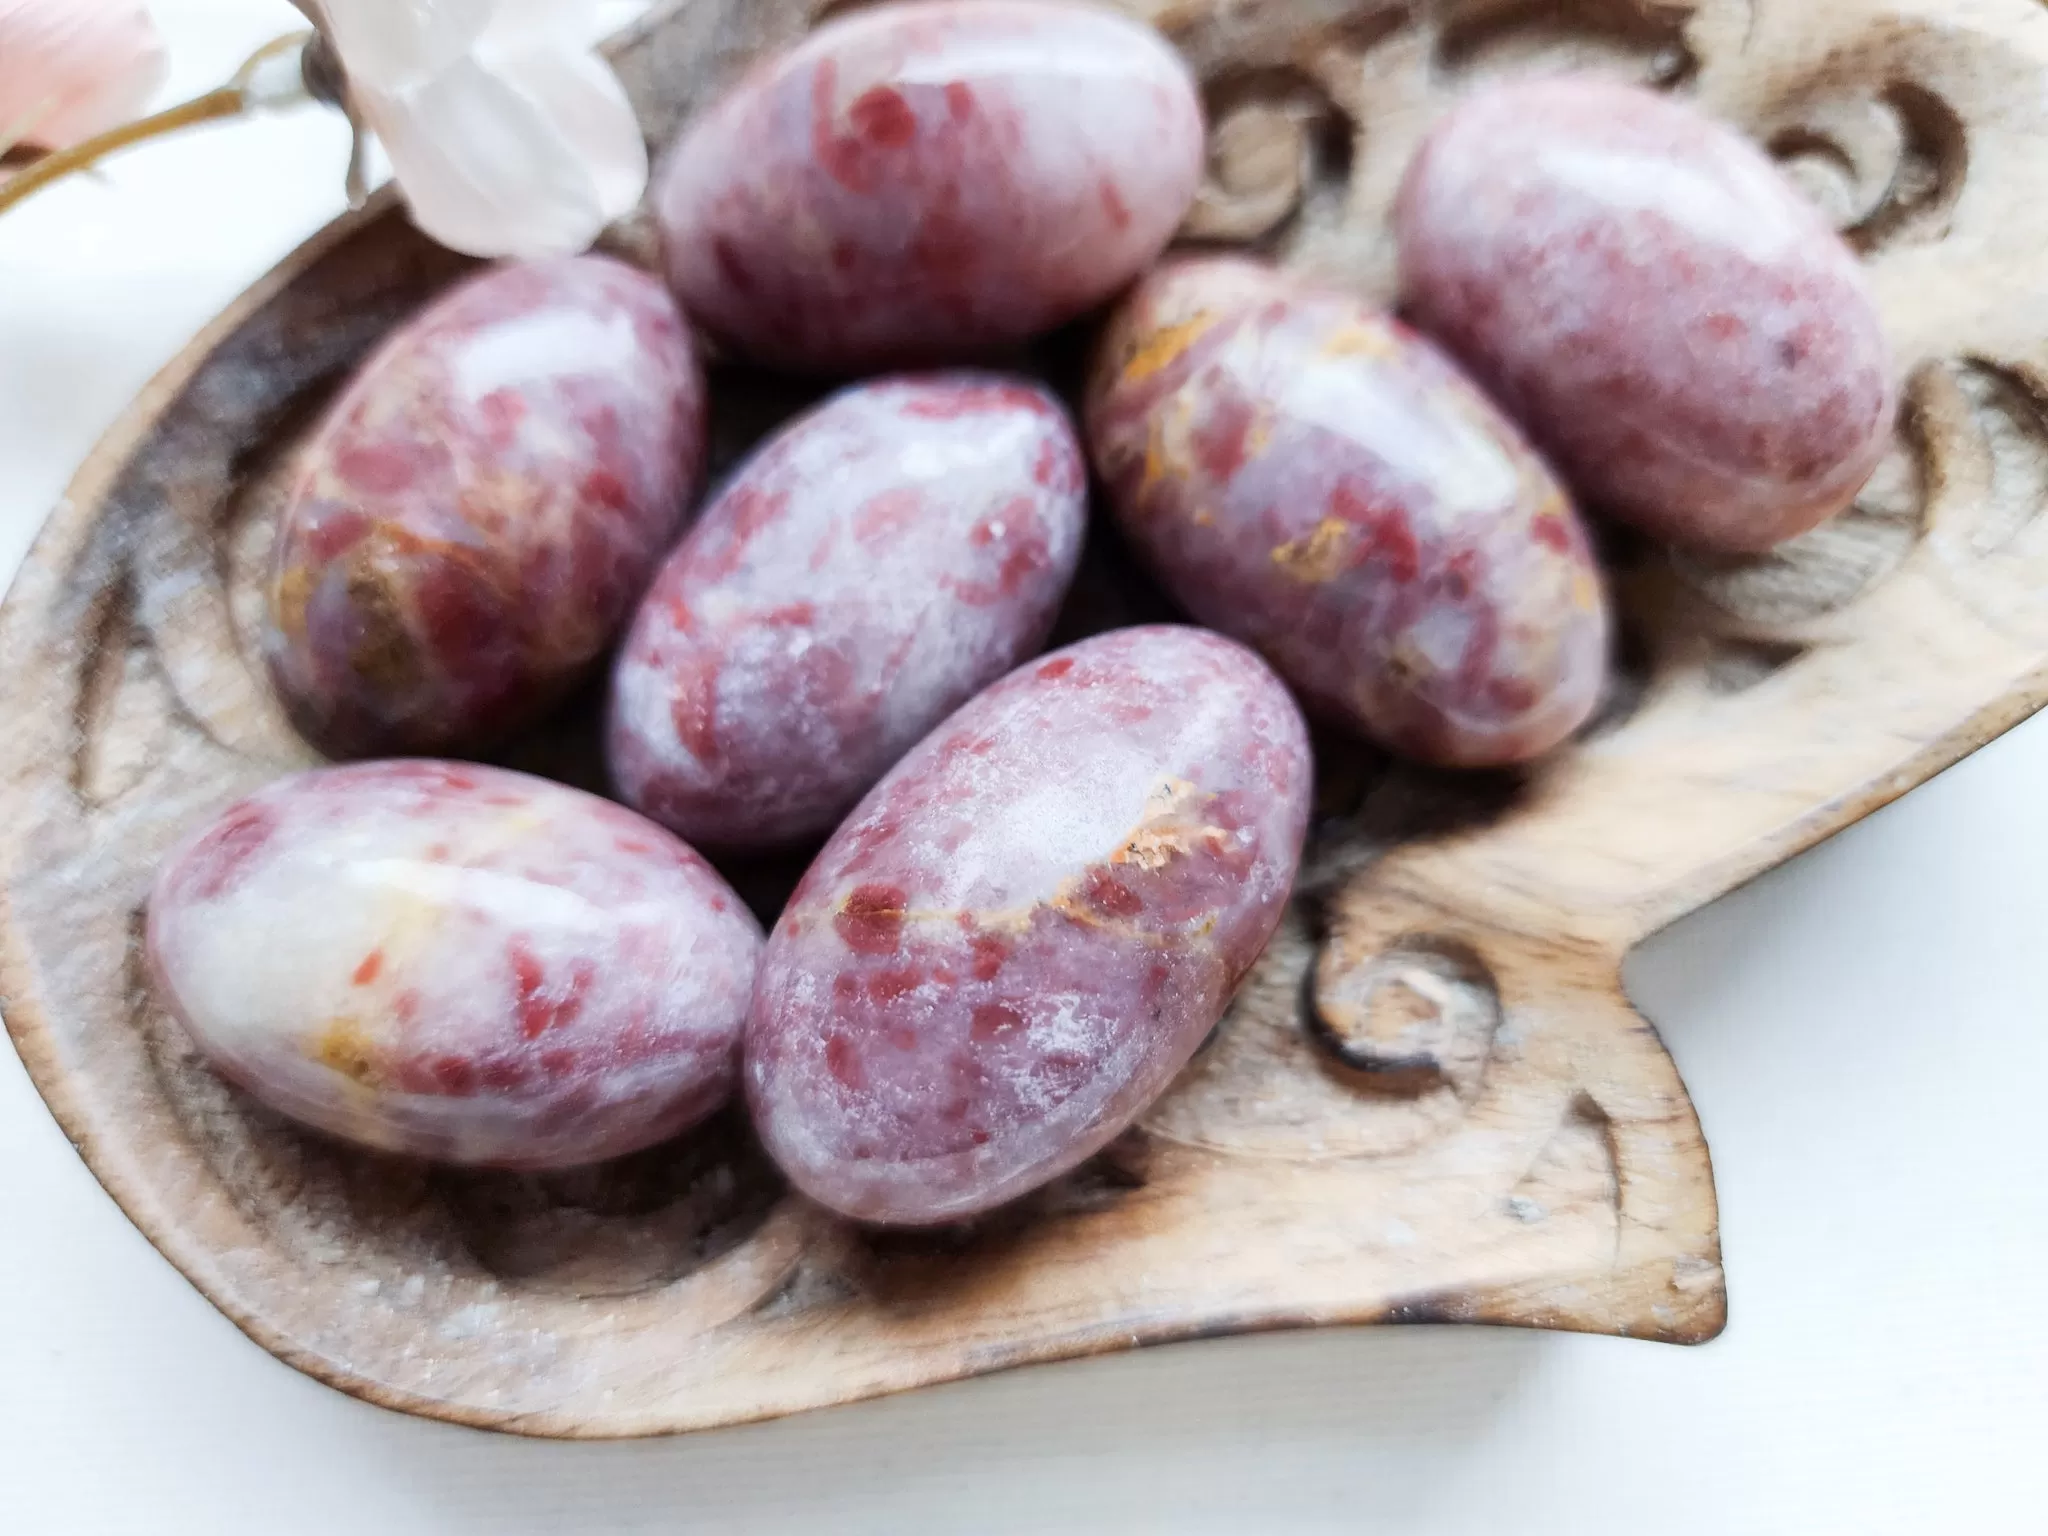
582	23
507	134
578	92
391	45
72	68
485	169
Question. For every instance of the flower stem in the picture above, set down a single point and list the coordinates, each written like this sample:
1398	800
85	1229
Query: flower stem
253	86
225	102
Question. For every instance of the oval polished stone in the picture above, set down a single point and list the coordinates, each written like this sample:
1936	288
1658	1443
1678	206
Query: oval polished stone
925	182
1021	936
1637	283
880	561
1311	476
456	962
477	515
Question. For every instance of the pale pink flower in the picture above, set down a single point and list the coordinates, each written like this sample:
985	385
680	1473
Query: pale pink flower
72	68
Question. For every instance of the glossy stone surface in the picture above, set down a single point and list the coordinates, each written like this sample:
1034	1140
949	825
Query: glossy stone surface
1024	932
457	963
1675	324
1308	475
477	514
924	182
879	562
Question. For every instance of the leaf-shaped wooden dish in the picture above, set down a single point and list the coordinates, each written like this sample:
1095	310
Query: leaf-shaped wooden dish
1432	1101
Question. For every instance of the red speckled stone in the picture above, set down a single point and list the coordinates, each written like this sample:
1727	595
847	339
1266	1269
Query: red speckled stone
923	182
482	506
1312	477
1639	284
879	562
1022	934
457	962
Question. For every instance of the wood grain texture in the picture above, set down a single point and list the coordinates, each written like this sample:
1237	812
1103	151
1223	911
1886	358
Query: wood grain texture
1432	1100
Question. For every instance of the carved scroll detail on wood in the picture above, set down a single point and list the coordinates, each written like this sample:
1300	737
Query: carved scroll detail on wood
1886	167
1277	143
1987	532
1643	38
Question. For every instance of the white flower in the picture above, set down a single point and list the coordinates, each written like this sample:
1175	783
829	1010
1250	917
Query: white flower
506	132
72	68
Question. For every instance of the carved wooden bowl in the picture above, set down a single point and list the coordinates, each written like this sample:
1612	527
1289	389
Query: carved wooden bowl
1431	1102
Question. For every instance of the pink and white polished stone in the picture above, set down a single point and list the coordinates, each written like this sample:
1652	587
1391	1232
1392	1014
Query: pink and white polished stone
923	182
457	963
481	508
1021	936
877	563
1640	286
1311	476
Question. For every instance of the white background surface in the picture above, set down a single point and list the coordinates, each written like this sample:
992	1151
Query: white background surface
1863	1033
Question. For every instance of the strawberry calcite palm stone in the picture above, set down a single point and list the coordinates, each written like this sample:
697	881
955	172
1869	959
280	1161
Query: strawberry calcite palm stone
457	962
1307	474
479	511
1024	932
1676	325
879	562
921	182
